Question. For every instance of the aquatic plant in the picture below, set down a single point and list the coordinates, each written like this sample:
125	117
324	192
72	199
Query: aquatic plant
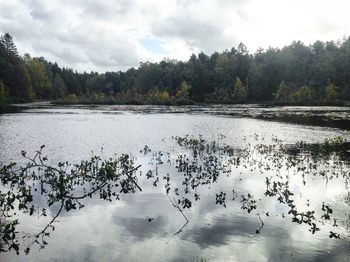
199	164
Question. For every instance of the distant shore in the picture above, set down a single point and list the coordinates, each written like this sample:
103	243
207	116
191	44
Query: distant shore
111	101
15	107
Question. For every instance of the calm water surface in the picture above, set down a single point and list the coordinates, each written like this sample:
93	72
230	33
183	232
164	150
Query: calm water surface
121	231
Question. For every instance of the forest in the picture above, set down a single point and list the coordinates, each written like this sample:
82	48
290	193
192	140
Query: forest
296	73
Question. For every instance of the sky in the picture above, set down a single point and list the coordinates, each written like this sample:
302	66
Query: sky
112	35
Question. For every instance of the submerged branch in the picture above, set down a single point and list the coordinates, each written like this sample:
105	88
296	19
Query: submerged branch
184	225
261	226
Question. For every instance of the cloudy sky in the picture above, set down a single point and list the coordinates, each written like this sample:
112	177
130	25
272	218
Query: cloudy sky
114	35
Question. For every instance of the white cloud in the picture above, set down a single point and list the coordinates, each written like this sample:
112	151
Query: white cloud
105	35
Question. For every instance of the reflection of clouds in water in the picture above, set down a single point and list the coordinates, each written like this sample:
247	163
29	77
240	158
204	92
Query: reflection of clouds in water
230	238
134	216
114	229
227	234
142	228
222	231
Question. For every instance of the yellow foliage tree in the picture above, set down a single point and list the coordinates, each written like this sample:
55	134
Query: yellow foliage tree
331	92
182	94
2	92
240	91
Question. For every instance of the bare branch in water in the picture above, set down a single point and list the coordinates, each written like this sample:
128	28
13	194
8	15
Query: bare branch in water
182	213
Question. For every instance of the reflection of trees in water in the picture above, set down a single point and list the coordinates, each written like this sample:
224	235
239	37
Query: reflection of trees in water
200	164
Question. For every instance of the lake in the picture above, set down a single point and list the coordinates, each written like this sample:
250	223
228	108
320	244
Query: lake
146	226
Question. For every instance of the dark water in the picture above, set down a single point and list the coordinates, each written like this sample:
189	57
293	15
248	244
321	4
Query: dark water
122	231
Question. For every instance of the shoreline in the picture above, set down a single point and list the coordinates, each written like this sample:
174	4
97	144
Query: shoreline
262	103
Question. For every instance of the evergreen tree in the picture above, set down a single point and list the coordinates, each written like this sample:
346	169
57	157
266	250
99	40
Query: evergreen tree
59	87
9	46
219	78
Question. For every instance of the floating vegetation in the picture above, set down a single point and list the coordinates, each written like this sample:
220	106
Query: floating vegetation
193	170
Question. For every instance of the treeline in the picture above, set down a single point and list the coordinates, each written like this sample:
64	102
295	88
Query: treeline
295	73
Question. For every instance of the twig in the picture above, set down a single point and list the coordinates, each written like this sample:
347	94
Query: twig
104	183
48	225
262	224
184	225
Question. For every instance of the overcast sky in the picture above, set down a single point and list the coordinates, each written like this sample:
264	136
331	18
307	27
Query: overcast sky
113	35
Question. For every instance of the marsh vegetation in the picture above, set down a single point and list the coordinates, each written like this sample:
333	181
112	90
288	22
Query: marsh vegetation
200	164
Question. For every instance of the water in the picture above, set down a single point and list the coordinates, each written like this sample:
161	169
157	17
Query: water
140	226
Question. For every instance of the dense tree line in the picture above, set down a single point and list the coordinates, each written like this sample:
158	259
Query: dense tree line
294	73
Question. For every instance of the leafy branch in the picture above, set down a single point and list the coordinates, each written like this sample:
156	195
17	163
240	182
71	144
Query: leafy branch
65	184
